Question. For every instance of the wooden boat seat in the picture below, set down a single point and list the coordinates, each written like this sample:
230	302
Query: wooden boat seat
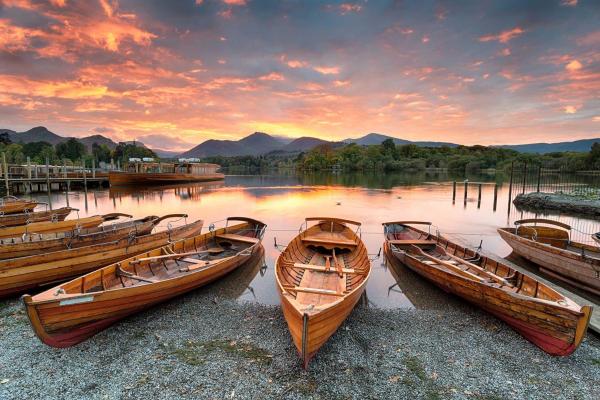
328	239
412	241
313	290
320	268
238	238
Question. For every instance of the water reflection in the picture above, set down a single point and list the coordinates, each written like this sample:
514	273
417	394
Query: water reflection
283	201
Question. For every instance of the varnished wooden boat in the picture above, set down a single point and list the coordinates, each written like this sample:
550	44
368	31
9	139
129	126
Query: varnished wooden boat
39	243
58	226
13	205
152	173
35	216
70	313
28	273
548	243
320	276
545	317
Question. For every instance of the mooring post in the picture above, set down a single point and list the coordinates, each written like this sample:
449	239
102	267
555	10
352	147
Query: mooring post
84	175
48	182
118	165
94	168
5	170
539	177
453	192
64	168
479	196
510	185
495	196
524	178
29	173
466	189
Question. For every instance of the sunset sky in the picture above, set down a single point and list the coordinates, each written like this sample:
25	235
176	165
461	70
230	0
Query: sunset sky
175	73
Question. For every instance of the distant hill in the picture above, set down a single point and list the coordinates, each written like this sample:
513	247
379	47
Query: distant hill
255	144
377	138
304	143
578	145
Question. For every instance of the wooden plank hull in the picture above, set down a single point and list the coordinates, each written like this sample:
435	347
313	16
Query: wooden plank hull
556	329
40	244
567	265
17	206
51	226
313	314
134	178
66	321
28	273
23	218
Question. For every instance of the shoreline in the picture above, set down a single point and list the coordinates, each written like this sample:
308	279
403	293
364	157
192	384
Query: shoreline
567	204
204	345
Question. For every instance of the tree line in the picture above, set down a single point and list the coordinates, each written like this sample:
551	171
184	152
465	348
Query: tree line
71	150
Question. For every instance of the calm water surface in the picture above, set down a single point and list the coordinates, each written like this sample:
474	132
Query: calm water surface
283	201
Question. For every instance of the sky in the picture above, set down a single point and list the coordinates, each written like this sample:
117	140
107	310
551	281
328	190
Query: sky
173	74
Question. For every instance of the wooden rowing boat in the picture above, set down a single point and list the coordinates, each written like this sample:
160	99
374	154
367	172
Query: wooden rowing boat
27	273
545	317
58	226
28	245
14	205
36	216
548	243
70	313
320	276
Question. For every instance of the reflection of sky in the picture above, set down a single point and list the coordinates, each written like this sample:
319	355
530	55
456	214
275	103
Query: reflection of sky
176	73
284	208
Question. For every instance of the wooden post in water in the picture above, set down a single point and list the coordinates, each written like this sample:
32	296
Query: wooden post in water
539	177
479	196
118	165
5	171
466	189
64	167
94	168
510	185
48	182
495	196
453	192
84	176
29	174
112	164
524	178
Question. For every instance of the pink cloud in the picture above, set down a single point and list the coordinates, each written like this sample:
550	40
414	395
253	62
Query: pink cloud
328	70
503	37
573	66
568	3
273	76
346	8
235	2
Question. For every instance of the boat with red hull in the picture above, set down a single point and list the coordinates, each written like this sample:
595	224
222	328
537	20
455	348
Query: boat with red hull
551	321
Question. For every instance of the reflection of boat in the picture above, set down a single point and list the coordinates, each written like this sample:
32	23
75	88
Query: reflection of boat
58	226
148	173
238	282
548	319
551	247
28	245
321	275
25	273
183	190
72	312
13	205
35	216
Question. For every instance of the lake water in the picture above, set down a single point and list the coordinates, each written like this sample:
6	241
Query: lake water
284	200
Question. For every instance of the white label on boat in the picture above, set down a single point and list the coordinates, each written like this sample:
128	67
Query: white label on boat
76	300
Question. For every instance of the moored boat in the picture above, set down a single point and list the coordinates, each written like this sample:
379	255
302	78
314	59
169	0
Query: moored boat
35	216
58	226
548	243
14	205
321	275
38	243
548	319
28	273
70	313
153	173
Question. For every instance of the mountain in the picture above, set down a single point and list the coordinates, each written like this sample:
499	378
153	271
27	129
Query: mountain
88	141
255	144
578	145
37	134
304	143
378	138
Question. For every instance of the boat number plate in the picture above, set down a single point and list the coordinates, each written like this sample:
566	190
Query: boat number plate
76	300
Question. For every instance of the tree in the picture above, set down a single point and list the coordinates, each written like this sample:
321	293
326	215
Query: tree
593	158
100	152
34	149
125	151
4	138
72	149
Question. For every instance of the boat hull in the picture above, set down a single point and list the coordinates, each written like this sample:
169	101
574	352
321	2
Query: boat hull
65	325
23	218
28	273
555	330
134	178
14	207
562	264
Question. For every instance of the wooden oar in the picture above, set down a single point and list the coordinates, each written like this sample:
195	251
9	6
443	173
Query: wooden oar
327	263
338	266
177	255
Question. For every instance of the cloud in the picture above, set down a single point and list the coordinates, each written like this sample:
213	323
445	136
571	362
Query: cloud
235	2
568	3
570	109
346	8
503	37
573	66
327	70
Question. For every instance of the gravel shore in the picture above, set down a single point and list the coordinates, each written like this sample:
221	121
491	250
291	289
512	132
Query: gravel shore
569	204
205	345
